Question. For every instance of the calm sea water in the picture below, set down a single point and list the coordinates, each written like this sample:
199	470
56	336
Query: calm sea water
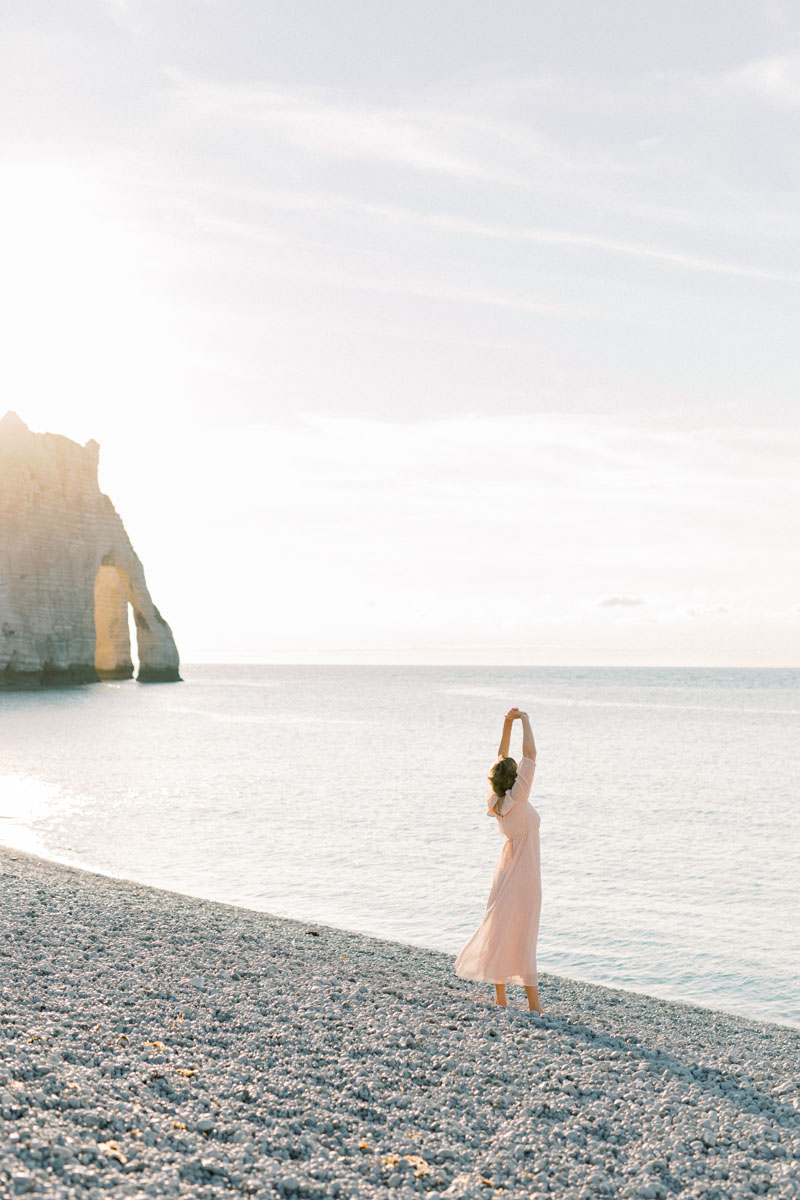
355	796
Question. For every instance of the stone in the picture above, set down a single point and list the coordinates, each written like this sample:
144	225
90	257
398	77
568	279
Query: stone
68	571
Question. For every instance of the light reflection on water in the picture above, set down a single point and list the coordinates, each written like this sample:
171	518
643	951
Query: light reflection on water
355	796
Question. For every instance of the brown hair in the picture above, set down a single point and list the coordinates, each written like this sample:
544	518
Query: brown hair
502	776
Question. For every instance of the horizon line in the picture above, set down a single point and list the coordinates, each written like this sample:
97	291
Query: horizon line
537	666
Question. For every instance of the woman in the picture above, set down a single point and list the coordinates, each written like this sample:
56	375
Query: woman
503	948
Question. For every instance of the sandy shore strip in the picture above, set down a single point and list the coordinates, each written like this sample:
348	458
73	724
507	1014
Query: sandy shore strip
152	1044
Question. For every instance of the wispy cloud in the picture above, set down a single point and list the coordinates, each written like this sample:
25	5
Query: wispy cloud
774	79
621	602
327	125
580	241
453	145
450	133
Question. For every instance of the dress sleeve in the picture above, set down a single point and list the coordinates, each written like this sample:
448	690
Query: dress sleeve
519	792
490	803
522	784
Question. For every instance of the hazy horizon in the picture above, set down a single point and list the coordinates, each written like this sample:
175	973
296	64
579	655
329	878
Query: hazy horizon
421	333
515	662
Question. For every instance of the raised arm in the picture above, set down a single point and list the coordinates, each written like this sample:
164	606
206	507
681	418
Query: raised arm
528	744
505	740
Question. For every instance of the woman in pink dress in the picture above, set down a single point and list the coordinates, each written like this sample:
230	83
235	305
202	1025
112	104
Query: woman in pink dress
503	948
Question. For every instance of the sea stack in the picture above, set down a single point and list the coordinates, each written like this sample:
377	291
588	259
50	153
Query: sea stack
68	571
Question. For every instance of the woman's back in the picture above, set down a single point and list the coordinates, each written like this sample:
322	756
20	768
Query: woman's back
517	815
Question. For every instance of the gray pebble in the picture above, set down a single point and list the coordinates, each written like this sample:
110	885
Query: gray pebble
337	1065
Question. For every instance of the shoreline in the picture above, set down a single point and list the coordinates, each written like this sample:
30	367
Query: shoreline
161	1044
611	984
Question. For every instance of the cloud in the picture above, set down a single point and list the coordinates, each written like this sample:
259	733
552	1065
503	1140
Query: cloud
717	610
328	125
775	79
581	240
453	134
128	15
621	602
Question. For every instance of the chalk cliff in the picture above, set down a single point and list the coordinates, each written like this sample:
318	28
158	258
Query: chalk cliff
68	571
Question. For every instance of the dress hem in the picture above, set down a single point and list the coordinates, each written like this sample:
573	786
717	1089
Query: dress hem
523	982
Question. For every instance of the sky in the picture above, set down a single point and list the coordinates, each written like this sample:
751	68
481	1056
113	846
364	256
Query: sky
412	332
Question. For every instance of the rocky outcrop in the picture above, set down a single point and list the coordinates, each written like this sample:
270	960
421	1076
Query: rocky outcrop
68	571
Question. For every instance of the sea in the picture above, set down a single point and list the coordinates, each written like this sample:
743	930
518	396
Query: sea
355	796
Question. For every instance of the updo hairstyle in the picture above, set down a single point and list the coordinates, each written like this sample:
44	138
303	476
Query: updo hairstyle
502	776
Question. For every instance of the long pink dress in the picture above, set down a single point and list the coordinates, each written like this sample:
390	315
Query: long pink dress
503	947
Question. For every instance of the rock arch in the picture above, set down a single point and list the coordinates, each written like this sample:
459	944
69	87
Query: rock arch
68	571
112	647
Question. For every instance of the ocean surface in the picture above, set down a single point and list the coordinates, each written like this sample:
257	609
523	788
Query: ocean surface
356	797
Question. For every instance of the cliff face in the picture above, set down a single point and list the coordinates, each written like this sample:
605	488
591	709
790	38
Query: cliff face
68	571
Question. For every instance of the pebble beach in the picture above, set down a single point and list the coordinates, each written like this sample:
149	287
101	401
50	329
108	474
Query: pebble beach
153	1044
